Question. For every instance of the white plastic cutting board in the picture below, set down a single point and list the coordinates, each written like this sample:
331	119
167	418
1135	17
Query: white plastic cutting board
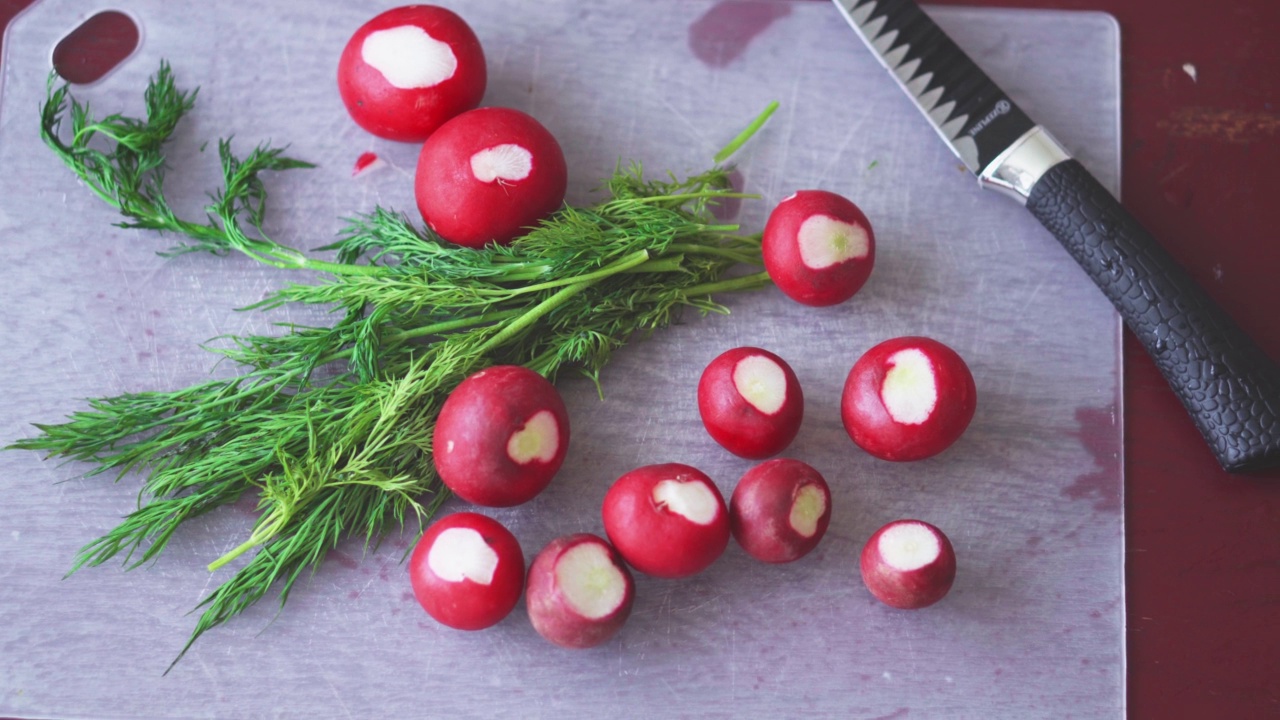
1031	495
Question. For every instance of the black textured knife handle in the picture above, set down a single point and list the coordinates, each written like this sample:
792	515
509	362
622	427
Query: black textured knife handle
1228	385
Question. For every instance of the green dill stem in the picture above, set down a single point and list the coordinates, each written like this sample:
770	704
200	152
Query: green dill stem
742	282
532	315
558	299
673	263
284	257
746	134
429	330
267	528
704	195
443	327
418	332
694	249
625	263
524	273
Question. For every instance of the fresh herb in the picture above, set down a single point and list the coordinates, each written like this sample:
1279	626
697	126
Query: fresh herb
330	427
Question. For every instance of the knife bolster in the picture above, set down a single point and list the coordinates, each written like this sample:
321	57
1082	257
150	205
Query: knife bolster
1016	171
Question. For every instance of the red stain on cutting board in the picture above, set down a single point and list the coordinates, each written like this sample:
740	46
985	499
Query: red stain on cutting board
1098	436
724	32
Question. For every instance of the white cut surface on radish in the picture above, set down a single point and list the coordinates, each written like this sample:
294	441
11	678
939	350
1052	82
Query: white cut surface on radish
825	241
806	509
508	161
761	382
909	546
909	390
539	439
408	57
690	500
592	584
462	554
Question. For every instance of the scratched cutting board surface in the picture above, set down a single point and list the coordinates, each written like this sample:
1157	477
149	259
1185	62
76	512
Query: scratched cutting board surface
1031	495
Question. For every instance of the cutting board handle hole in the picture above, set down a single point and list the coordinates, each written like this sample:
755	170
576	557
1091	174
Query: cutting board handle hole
96	47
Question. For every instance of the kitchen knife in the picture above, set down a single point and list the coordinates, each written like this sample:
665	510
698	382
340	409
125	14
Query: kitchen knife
1228	385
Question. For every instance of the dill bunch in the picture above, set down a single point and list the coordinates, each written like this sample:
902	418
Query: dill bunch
330	428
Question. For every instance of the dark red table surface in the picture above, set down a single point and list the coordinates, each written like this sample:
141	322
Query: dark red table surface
1201	159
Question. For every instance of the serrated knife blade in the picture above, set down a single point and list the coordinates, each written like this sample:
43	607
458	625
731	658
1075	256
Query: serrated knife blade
1228	385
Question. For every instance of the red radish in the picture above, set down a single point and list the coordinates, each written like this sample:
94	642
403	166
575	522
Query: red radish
667	520
501	436
780	510
579	592
407	71
908	564
488	174
908	399
467	571
750	402
818	248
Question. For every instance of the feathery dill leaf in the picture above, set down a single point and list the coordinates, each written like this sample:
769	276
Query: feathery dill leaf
330	428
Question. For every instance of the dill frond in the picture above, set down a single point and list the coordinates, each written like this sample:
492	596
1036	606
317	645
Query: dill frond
330	427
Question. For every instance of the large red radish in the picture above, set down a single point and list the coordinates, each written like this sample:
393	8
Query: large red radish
407	71
750	402
908	398
667	520
908	564
780	510
501	436
579	591
488	175
467	571
818	247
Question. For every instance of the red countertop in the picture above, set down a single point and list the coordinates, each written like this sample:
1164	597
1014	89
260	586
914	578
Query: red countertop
1201	160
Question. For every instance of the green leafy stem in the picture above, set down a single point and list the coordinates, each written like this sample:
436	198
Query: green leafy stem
330	427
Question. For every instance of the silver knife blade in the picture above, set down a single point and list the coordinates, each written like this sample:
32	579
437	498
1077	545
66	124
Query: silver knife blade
971	113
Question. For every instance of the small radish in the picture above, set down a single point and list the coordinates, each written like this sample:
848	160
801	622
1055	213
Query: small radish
908	564
780	510
579	592
410	69
367	163
667	520
488	174
908	399
750	402
818	248
500	437
467	571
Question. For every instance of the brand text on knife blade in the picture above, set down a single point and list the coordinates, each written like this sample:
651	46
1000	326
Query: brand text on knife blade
1002	108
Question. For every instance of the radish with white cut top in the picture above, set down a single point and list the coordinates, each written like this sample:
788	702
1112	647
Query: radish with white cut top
908	564
488	175
818	248
501	436
908	398
407	71
467	571
750	402
667	520
579	592
780	510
